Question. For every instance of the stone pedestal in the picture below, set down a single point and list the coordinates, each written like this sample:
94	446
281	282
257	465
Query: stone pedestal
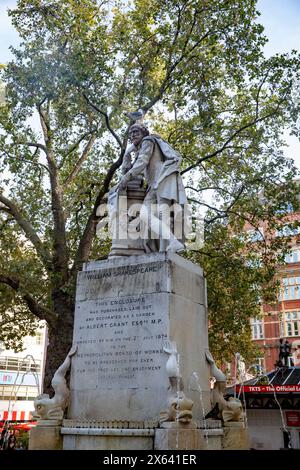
126	308
172	438
127	239
174	435
235	436
45	438
104	439
181	439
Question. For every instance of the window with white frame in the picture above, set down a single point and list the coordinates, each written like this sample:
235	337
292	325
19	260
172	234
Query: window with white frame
287	231
293	256
39	336
281	327
260	365
257	328
292	323
290	289
12	363
18	393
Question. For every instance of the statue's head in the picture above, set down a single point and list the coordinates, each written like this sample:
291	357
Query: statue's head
41	403
136	133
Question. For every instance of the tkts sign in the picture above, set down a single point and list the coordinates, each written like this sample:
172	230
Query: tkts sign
268	388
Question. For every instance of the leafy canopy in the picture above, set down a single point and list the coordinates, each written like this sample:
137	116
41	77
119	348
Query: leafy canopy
198	71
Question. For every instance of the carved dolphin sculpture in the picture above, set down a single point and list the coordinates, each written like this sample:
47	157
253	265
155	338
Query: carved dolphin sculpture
214	370
230	410
179	406
53	408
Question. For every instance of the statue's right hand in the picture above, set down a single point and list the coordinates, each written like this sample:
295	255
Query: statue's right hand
123	183
126	165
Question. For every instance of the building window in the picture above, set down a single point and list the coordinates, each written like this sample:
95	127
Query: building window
19	364
296	352
293	256
290	289
18	392
39	338
287	231
292	323
260	365
257	327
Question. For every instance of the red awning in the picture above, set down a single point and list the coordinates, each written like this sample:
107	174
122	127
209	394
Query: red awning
25	426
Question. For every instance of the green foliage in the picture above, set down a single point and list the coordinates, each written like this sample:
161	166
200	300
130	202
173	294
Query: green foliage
197	69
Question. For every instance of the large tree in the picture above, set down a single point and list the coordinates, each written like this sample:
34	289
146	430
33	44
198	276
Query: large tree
197	70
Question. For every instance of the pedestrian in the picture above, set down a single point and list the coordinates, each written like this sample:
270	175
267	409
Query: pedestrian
287	352
281	352
11	443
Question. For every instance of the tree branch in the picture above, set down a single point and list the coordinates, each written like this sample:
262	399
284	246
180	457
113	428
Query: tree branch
235	134
74	146
90	228
224	213
81	160
11	208
33	144
228	209
21	159
61	254
259	90
206	188
171	67
116	137
38	310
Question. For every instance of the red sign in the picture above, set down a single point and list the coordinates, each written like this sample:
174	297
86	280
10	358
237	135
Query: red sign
25	426
292	418
268	388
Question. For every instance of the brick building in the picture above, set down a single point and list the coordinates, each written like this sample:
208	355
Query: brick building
283	319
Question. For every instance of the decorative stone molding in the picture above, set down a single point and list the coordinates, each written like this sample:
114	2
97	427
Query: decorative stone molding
116	424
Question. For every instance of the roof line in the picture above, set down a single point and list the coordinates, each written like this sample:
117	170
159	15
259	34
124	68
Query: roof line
270	381
289	375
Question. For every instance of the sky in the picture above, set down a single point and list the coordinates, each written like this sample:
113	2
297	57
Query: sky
280	18
8	36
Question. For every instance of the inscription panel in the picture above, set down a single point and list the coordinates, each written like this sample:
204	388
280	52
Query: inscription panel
125	311
123	280
120	342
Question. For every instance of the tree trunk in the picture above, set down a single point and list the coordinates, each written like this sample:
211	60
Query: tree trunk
60	336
